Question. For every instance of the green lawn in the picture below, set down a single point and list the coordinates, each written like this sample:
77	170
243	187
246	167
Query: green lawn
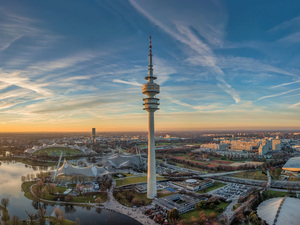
213	187
49	196
128	174
133	180
57	151
26	188
187	216
252	175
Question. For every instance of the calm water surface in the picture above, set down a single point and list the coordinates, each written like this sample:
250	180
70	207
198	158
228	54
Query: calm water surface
10	187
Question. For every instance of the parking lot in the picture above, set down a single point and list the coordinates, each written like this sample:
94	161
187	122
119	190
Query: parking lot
232	191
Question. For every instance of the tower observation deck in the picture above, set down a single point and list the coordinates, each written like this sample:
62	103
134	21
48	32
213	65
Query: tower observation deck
151	105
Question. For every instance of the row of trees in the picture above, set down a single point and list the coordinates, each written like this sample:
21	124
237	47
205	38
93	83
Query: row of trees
130	197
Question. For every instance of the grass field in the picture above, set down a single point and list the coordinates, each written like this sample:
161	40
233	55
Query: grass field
213	187
188	167
26	188
133	180
57	151
49	196
187	216
252	175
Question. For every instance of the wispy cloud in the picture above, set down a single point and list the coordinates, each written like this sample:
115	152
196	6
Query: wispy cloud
14	27
199	108
14	78
278	94
285	84
134	83
289	39
251	65
287	24
294	105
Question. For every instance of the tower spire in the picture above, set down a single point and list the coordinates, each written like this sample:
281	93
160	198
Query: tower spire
150	47
150	76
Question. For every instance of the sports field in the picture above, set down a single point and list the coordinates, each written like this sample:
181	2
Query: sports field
57	151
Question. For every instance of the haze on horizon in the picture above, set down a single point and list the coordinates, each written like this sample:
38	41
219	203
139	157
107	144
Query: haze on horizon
72	65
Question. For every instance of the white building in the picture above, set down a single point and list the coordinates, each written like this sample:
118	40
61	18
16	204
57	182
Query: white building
276	145
214	147
263	148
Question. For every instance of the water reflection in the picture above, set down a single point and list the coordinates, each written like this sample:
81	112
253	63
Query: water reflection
70	209
10	183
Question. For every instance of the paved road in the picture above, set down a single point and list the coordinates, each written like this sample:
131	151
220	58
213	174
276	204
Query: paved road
269	179
228	211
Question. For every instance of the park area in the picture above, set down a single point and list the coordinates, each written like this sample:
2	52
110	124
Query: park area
56	151
51	192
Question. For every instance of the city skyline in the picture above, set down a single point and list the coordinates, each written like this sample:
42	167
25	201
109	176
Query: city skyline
222	65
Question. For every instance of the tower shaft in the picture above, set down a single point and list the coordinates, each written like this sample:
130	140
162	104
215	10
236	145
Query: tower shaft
151	176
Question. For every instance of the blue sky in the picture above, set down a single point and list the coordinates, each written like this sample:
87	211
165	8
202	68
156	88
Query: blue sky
73	65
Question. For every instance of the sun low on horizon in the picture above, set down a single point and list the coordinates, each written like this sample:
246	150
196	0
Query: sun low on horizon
72	65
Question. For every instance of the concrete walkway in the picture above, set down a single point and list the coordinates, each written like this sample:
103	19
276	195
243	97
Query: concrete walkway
135	213
228	211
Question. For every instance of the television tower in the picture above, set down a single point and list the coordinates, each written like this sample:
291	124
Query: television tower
151	105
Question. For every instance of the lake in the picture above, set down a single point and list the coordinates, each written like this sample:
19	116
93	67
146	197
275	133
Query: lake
10	187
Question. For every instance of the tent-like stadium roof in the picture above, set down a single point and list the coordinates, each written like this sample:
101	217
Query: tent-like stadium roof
122	161
271	212
293	164
90	171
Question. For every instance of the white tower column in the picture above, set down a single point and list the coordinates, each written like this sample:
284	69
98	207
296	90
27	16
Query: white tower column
151	178
151	105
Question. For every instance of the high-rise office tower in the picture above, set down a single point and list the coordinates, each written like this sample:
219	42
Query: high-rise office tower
151	105
93	134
